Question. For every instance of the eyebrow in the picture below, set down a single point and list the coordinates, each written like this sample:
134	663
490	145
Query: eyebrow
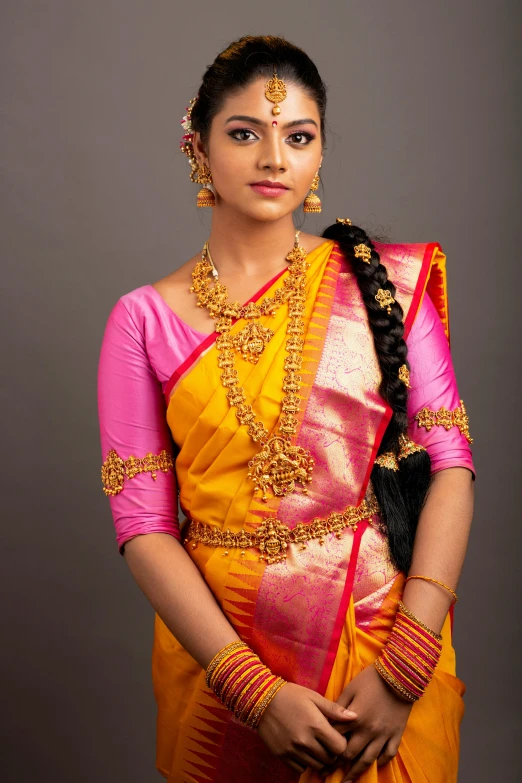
256	121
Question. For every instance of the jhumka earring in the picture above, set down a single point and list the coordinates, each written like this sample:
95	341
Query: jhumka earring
312	203
206	196
199	173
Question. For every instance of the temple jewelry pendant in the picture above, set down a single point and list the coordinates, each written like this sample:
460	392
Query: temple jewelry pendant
251	341
281	466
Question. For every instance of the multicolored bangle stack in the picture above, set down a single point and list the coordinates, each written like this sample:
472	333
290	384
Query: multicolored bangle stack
410	655
242	683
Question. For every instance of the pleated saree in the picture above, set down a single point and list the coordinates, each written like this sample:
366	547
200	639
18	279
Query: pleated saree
324	613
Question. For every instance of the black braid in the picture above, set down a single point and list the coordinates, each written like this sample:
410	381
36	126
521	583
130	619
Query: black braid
401	494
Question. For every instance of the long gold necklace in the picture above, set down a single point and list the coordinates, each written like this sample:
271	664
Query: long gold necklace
279	465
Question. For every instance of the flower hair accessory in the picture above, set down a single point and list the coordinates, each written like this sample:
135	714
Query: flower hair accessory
186	143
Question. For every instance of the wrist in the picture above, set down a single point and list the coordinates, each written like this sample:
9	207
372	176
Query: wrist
242	683
409	658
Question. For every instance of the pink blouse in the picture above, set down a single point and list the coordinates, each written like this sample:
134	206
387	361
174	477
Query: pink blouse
143	345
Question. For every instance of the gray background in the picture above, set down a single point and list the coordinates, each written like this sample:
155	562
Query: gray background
423	142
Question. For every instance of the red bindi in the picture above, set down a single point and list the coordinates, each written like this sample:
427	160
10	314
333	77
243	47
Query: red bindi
274	123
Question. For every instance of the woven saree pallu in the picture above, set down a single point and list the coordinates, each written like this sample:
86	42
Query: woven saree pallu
305	578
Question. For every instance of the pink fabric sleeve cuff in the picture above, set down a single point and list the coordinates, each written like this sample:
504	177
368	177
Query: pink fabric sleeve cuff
434	386
132	419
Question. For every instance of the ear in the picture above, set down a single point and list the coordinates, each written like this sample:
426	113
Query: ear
199	149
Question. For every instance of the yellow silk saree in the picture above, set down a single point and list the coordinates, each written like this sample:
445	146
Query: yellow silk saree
324	612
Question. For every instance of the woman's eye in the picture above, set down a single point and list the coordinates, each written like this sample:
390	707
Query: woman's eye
300	138
302	135
241	130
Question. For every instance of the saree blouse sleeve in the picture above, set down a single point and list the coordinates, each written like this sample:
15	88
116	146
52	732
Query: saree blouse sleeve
437	416
138	472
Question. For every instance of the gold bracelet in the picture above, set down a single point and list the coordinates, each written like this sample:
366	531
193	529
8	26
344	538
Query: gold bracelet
257	712
393	682
404	609
429	579
224	653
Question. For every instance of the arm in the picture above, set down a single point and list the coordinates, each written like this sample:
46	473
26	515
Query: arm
132	420
440	545
444	524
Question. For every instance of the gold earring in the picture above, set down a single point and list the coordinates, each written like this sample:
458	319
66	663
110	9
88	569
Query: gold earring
206	196
312	203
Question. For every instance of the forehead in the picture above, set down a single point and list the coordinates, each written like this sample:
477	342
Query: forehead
252	100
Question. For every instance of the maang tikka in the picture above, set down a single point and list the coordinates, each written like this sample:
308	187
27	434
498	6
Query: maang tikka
275	91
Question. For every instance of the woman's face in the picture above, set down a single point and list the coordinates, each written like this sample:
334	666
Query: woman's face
249	144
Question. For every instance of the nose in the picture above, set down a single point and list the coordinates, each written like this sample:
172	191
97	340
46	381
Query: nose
273	153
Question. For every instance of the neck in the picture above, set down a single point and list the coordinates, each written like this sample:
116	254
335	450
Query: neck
246	247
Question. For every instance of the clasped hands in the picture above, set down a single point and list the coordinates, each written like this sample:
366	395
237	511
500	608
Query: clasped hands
305	730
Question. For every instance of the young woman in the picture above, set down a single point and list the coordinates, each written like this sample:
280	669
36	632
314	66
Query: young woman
297	392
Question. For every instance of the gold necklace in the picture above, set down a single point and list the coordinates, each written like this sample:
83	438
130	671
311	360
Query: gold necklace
278	465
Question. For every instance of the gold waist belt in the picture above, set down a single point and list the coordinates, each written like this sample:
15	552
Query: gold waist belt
272	537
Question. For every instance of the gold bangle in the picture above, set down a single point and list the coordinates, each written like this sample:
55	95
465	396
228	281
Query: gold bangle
404	609
429	579
249	705
227	695
220	656
255	715
393	682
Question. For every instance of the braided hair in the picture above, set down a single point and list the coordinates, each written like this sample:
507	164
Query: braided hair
401	493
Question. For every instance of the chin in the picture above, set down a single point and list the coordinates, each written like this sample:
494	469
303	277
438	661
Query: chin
266	211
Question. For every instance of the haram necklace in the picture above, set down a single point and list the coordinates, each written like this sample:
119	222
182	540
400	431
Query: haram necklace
278	466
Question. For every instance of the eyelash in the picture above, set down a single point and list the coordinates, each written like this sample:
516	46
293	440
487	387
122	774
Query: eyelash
308	136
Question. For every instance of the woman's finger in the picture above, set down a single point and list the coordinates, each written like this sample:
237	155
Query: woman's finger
294	764
388	752
320	752
365	759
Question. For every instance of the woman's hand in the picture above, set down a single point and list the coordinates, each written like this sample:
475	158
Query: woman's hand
297	727
382	715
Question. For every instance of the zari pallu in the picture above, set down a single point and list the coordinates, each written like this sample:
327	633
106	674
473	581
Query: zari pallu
324	613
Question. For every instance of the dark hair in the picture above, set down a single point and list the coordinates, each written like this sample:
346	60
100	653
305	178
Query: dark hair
401	494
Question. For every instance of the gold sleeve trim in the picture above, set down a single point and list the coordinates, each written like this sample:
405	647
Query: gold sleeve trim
115	469
445	418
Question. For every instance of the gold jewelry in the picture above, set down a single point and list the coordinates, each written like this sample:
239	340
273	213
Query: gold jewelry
278	465
387	460
444	418
253	338
385	299
258	712
203	176
115	469
275	91
346	221
429	579
404	375
312	203
408	446
404	609
363	252
395	683
272	538
198	173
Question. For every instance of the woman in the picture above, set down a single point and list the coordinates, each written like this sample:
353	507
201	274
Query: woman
302	430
